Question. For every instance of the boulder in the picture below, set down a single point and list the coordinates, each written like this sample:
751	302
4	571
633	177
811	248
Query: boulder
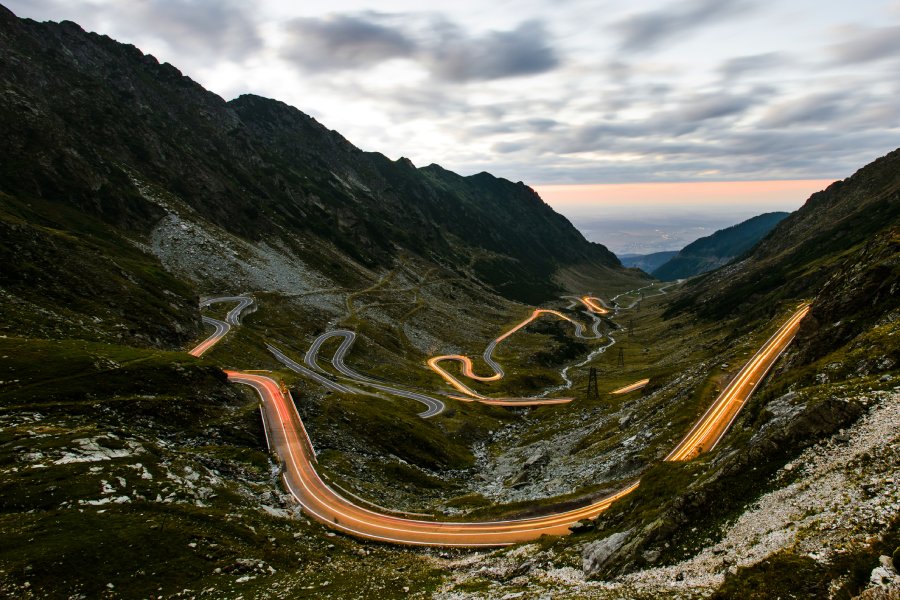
595	555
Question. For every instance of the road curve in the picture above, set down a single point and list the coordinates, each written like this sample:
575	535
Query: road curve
704	436
222	327
433	406
468	368
288	439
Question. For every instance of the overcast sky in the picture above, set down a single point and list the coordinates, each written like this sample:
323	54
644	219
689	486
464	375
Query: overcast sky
551	91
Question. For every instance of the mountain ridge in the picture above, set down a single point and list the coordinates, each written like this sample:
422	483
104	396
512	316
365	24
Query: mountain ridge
255	167
720	248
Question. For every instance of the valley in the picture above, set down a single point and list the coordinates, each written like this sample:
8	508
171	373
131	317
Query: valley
289	441
241	357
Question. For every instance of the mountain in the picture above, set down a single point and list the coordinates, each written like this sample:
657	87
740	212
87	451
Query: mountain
138	152
720	248
805	250
647	262
131	468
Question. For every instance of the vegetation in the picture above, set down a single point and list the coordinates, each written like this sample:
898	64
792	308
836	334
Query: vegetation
715	250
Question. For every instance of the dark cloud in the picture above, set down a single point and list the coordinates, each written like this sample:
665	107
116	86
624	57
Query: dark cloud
818	108
646	31
868	45
450	54
205	26
741	65
693	114
457	57
191	28
712	106
522	126
345	42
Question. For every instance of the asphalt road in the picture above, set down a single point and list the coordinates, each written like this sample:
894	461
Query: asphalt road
715	422
468	368
222	327
433	406
288	439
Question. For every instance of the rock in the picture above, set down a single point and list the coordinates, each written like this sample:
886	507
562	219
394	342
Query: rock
522	569
536	460
884	577
512	596
598	553
651	556
582	526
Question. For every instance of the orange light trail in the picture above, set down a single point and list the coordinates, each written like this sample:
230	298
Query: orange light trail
288	439
718	418
632	387
468	368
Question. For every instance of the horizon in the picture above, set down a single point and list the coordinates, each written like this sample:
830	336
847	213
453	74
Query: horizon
672	215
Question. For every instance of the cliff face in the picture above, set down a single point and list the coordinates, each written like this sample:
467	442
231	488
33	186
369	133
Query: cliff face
84	116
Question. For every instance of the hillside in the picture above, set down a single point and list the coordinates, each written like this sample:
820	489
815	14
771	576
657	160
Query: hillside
647	262
92	124
805	249
720	248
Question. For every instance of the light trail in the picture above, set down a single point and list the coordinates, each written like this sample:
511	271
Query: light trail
288	439
704	436
631	387
468	368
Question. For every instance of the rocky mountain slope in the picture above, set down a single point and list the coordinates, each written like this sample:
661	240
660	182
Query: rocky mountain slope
90	123
720	248
807	248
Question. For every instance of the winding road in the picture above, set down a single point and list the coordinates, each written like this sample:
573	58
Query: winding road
433	406
288	440
222	327
468	368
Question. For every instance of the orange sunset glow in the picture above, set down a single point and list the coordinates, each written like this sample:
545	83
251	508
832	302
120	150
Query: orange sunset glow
786	192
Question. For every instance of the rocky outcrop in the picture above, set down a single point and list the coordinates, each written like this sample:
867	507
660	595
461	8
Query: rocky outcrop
864	289
596	554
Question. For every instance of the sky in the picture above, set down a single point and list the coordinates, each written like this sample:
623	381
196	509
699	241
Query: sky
553	92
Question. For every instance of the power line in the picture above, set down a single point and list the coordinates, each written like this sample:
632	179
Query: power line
593	391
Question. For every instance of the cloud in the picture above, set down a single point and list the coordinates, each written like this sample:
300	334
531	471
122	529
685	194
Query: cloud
191	28
818	108
445	50
647	31
868	44
524	50
223	27
345	42
741	65
712	106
